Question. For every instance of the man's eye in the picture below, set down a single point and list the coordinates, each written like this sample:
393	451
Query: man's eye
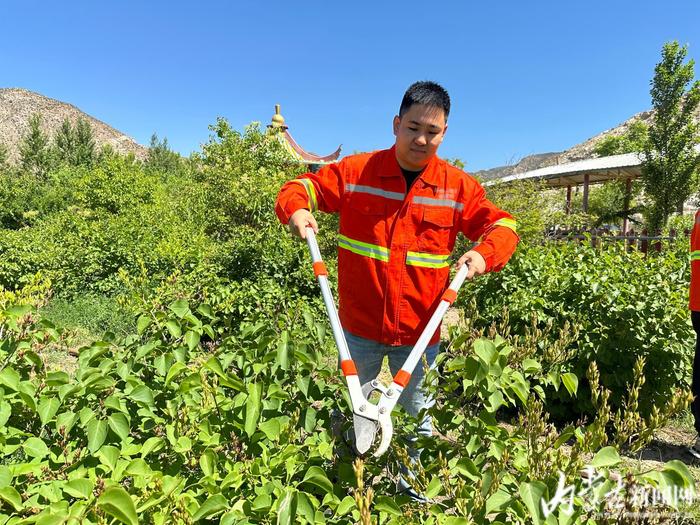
413	129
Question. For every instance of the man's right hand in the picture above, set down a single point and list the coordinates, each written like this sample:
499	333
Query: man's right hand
298	222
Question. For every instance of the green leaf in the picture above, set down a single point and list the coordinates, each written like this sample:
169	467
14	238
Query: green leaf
434	487
346	506
108	456
486	350
119	424
143	395
174	328
531	365
180	308
57	378
532	494
213	505
18	311
192	339
10	378
305	508
283	351
253	406
116	502
138	467
681	469
96	434
606	457
287	510
79	488
570	382
143	322
11	496
207	461
5	476
5	412
35	448
271	428
261	502
152	444
317	477
388	505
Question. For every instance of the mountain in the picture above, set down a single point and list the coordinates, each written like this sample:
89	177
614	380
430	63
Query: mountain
581	151
18	105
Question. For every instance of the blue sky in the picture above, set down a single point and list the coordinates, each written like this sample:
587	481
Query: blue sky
524	77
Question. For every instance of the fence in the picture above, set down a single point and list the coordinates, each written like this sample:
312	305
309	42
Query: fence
641	241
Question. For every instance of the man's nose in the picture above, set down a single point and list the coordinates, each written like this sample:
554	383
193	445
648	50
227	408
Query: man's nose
420	140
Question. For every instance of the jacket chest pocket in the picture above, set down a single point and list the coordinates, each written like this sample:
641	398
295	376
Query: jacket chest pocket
434	230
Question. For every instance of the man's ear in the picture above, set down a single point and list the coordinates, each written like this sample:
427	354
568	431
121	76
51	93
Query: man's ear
397	123
444	130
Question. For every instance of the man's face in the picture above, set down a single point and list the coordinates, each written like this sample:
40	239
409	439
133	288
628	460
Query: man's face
418	132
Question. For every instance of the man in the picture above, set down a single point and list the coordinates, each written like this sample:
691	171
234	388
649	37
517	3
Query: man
400	212
695	318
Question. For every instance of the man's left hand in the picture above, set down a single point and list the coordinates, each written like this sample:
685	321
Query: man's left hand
477	264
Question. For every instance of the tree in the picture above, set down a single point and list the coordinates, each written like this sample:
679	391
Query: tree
161	158
669	170
84	144
64	142
75	146
34	150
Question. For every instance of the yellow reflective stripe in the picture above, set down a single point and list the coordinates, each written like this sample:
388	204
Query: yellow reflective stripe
364	248
508	223
310	192
695	255
427	260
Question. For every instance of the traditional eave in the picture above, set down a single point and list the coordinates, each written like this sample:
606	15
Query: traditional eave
293	148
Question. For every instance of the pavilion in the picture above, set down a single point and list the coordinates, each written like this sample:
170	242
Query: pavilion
627	167
312	160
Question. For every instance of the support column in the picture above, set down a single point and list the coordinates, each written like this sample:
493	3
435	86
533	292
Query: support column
568	200
586	180
628	196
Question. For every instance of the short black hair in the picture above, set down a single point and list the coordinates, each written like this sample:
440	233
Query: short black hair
427	93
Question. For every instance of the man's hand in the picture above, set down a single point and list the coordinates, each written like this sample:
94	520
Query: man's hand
477	265
298	222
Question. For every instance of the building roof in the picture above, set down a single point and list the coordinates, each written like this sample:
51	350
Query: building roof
600	169
293	148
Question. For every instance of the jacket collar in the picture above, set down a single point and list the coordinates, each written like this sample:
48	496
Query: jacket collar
430	175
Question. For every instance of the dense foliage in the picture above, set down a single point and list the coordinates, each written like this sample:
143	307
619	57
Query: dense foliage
620	305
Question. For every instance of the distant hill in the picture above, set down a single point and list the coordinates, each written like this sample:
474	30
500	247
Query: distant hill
581	151
18	105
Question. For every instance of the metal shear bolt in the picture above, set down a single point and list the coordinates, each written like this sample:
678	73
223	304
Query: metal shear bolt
382	410
362	408
390	392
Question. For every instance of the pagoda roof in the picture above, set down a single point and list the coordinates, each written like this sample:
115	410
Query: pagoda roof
293	148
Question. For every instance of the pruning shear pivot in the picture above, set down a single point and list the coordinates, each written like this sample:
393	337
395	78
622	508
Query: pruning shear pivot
369	417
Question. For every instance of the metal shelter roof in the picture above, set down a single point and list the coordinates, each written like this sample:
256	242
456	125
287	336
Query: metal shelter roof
601	169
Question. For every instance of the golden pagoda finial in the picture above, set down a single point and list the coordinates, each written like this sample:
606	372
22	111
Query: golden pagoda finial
277	118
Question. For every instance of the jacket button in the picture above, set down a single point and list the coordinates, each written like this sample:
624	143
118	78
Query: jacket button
366	209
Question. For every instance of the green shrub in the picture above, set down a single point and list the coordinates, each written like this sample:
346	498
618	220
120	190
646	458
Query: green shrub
624	305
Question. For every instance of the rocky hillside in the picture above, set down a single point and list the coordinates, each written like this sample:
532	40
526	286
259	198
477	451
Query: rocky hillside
18	105
581	151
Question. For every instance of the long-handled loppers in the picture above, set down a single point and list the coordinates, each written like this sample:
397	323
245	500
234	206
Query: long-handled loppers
369	417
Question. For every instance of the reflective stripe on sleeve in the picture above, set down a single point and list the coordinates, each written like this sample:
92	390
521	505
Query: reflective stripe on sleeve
695	255
447	203
358	188
310	192
363	248
507	223
427	260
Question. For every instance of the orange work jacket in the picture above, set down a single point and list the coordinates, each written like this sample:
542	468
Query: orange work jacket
393	247
695	265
